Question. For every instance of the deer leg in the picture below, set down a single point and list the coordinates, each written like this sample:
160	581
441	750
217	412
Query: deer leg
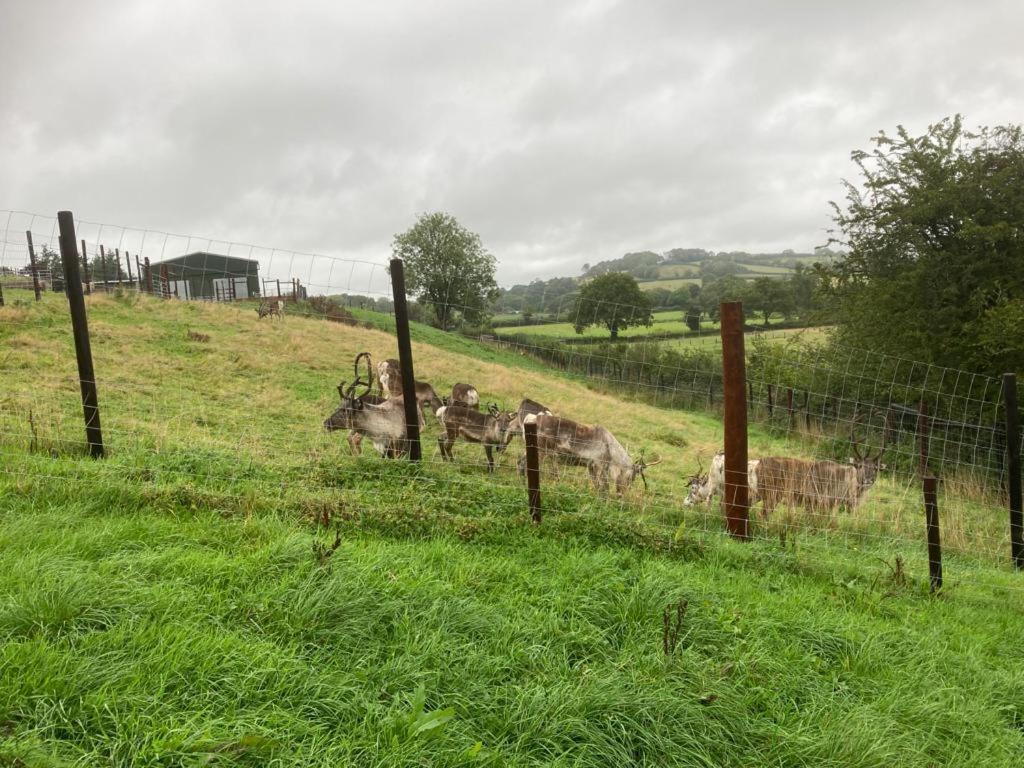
355	443
490	459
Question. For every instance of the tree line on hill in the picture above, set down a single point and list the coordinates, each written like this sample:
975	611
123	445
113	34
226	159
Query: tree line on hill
931	264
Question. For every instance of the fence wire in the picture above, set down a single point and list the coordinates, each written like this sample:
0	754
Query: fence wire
210	404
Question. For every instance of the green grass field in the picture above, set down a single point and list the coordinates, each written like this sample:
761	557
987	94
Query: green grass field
174	604
668	321
670	284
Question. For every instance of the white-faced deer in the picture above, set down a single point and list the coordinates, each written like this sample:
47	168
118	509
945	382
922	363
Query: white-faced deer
464	394
487	429
702	487
389	376
594	446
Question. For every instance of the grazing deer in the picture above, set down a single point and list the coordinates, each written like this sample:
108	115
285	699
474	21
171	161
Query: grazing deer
526	408
270	309
389	376
703	487
594	446
487	429
819	486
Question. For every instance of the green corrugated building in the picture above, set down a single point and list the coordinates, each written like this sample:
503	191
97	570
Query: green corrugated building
204	275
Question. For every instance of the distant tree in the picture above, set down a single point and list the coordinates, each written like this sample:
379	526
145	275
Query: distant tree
613	300
447	269
803	286
691	316
728	288
935	241
47	258
768	296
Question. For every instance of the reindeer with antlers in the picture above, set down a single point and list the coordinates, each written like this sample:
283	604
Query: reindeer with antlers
364	414
488	429
704	486
819	486
573	443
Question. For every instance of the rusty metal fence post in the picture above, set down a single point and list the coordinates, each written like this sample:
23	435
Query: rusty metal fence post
164	283
1013	484
532	470
32	262
734	378
412	413
80	329
931	516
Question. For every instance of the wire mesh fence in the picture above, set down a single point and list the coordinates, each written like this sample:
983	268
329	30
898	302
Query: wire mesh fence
208	404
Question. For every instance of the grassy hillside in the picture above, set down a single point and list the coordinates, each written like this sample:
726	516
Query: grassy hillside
174	604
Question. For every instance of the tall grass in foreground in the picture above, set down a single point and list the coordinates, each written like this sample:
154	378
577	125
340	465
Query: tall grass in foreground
182	602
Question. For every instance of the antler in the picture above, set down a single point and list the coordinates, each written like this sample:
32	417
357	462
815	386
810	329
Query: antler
366	383
341	389
492	408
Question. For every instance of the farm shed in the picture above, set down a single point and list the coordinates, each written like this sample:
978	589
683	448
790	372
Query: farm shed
203	275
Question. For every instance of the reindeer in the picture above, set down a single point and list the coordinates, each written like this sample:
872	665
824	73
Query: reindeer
464	394
382	420
818	486
471	425
271	309
389	376
594	446
704	487
526	408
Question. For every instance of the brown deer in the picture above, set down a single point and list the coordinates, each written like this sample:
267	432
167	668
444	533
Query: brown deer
270	309
818	486
487	429
593	446
526	408
365	414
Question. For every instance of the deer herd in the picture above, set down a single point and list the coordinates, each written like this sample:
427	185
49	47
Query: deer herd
819	486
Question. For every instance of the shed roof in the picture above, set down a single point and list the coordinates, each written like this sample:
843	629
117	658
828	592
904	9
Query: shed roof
212	262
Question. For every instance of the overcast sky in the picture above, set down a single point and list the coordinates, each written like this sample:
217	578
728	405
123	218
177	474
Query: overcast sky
563	133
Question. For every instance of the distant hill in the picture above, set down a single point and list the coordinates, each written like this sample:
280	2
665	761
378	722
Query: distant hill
670	270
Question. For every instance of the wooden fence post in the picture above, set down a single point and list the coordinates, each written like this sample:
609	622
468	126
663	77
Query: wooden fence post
1013	469
149	277
532	470
32	262
789	405
807	410
85	272
103	268
931	513
771	405
412	415
128	263
735	416
80	329
117	265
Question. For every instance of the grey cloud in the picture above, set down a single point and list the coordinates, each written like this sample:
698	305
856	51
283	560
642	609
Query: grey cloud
562	133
